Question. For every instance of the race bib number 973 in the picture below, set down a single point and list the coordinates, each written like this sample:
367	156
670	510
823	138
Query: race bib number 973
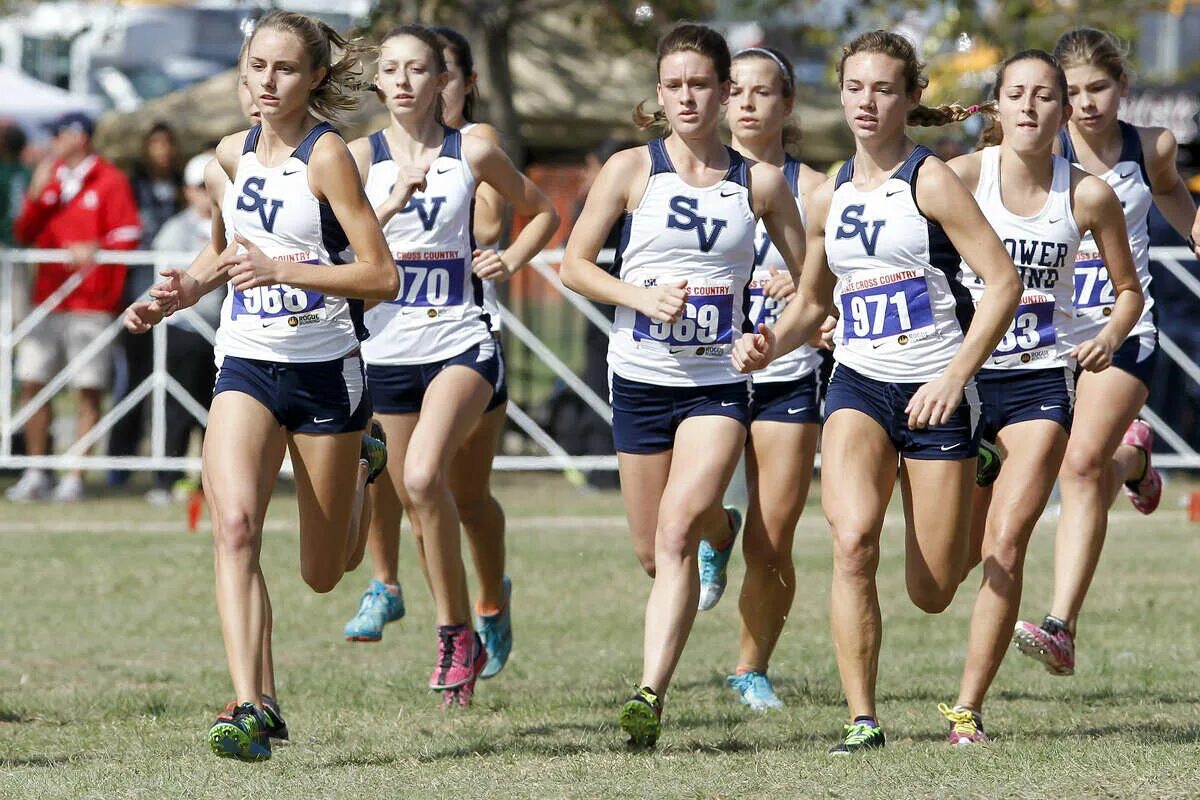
884	311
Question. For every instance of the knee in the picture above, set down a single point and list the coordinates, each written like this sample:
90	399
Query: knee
423	482
855	553
647	562
930	596
1081	465
474	512
235	534
321	578
673	540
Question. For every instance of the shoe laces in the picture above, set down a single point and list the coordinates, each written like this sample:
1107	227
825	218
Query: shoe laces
962	720
710	570
751	682
858	732
445	648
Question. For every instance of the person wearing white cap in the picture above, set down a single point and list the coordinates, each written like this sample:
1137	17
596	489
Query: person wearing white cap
190	353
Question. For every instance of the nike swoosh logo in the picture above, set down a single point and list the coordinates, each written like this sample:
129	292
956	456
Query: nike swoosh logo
290	172
444	170
1126	176
322	421
727	405
267	324
1047	408
1056	220
728	194
951	447
889	194
877	345
798	410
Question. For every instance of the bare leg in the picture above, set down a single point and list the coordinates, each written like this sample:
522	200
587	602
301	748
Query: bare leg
481	514
89	415
388	499
37	429
938	529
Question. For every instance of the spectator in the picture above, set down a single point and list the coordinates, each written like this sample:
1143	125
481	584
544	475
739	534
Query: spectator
14	177
157	181
190	353
79	202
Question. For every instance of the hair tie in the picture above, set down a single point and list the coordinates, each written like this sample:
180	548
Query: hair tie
973	109
788	78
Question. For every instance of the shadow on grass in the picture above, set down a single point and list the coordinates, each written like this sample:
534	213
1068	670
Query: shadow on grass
38	761
7	715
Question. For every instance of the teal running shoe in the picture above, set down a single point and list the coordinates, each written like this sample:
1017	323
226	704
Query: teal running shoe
277	725
713	563
377	608
496	632
641	718
241	732
755	690
859	736
987	469
374	451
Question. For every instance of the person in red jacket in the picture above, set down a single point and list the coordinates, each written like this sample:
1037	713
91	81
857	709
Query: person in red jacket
82	203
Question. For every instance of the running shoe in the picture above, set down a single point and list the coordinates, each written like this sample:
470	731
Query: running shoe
713	563
377	608
69	489
641	718
461	657
33	485
1146	492
276	725
496	631
240	732
859	736
374	451
1050	643
987	469
966	726
755	690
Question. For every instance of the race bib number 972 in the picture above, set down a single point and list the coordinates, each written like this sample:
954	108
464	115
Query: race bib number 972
884	311
1093	289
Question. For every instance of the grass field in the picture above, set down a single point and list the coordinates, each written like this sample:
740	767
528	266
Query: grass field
111	670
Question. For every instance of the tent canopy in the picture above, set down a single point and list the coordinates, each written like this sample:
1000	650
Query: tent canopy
32	104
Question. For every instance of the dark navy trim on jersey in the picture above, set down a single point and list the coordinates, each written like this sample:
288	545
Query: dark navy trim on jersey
791	171
379	147
1068	148
660	162
452	144
846	173
251	139
943	256
304	150
1131	147
626	223
739	170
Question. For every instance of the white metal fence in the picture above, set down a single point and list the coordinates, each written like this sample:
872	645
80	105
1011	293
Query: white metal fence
16	265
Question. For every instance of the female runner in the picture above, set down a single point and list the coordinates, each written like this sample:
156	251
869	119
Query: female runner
886	233
680	411
287	347
433	366
1109	448
1039	205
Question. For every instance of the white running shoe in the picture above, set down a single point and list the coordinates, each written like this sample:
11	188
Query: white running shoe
33	485
69	489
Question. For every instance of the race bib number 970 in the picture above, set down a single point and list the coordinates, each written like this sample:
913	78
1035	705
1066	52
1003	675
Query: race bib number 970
436	283
1093	289
889	310
705	321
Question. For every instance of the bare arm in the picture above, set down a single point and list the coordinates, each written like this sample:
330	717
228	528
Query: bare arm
1097	209
776	207
1171	194
966	167
489	204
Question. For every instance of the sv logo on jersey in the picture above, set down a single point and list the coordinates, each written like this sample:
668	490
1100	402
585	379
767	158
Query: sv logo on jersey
685	218
251	200
761	247
428	216
853	225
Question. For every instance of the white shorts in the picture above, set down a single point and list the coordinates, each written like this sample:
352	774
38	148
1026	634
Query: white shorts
56	340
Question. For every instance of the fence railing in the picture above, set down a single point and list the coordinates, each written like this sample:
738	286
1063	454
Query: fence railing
159	385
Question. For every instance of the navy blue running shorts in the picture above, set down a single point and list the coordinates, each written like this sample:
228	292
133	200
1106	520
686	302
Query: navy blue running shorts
400	388
646	417
787	401
1010	396
315	397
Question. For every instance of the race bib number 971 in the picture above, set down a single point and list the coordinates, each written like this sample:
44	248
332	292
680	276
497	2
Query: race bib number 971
705	321
884	311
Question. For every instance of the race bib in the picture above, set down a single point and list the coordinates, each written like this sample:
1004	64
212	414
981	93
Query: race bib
707	321
886	310
1032	328
764	309
277	300
1093	289
433	287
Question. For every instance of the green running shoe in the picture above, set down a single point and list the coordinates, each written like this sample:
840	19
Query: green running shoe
987	469
241	732
641	718
858	736
374	451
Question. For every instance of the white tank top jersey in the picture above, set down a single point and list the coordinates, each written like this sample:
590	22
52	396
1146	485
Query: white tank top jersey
438	313
903	307
765	310
1094	297
703	235
1042	248
274	208
491	301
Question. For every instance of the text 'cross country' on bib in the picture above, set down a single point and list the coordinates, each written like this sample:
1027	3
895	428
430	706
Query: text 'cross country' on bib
432	283
705	326
884	305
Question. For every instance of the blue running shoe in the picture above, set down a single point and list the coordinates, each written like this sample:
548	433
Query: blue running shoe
496	632
377	608
755	690
713	563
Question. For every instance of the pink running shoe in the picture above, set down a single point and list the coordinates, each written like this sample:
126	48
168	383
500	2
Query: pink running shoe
461	657
1050	643
966	727
1146	493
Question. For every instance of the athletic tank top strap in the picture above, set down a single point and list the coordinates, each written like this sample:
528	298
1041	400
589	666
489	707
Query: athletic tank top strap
251	142
791	171
1131	148
304	150
660	162
908	170
739	169
845	174
451	144
1068	149
379	147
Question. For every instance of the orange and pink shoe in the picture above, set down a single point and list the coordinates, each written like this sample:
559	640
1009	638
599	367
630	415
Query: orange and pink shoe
1050	643
461	658
1146	492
